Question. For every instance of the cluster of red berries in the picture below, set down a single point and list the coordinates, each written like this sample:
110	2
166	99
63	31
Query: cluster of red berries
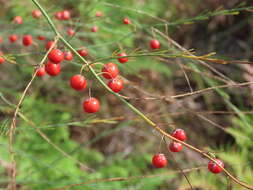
27	40
110	71
160	160
63	15
78	82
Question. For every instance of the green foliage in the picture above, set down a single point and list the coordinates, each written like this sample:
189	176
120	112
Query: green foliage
53	109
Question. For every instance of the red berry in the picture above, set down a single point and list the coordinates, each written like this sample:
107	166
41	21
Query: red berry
41	37
91	105
58	15
175	147
78	82
116	85
122	59
18	20
70	32
215	168
159	160
1	39
56	56
94	29
126	21
40	71
52	69
155	44
36	14
179	134
65	15
110	71
83	52
49	45
68	56
2	59
99	14
27	40
13	38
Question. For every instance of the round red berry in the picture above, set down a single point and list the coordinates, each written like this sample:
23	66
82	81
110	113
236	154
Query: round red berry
27	40
78	82
56	56
116	84
99	14
52	69
1	39
155	44
13	38
2	60
58	15
94	29
215	168
18	20
83	52
179	134
41	37
175	147
159	160
65	15
110	71
68	56
122	59
36	14
41	71
126	21
91	105
70	31
49	45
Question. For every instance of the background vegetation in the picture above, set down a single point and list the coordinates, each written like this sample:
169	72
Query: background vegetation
115	142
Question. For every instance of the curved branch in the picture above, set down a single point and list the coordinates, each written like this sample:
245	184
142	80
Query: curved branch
130	106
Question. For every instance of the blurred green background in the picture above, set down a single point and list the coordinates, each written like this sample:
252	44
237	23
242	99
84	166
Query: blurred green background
115	142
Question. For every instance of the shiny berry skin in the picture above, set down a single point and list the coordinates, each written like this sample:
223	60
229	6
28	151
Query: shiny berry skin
41	37
58	15
13	38
52	69
155	44
56	56
214	168
27	40
179	134
78	82
2	60
18	20
116	85
65	15
126	21
91	105
99	14
159	160
94	29
40	71
110	71
36	14
175	147
122	59
49	45
83	52
68	56
70	31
